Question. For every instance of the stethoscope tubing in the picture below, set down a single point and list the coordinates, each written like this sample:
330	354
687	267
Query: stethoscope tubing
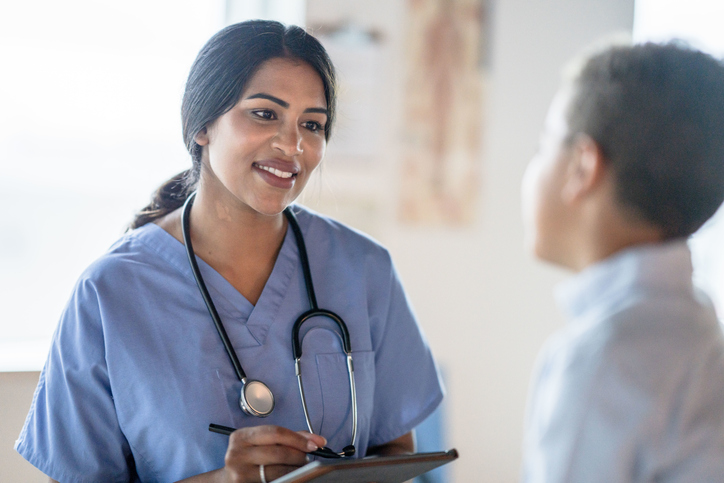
302	250
315	311
204	291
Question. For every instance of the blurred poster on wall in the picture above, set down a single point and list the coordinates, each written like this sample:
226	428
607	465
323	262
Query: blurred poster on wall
350	184
445	62
356	53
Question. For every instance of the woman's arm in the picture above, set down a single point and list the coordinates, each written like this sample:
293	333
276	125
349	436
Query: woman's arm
405	444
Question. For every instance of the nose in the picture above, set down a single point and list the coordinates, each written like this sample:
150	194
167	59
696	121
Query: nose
288	140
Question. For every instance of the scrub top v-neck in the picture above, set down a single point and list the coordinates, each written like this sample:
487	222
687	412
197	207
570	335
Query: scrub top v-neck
229	301
136	371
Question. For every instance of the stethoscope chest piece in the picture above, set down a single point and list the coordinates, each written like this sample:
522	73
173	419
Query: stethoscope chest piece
256	399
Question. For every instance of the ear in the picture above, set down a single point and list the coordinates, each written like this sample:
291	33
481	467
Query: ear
202	137
586	169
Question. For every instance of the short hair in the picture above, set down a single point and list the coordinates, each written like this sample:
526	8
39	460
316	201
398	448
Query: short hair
657	113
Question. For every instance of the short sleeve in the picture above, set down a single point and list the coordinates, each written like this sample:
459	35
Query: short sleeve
407	384
72	433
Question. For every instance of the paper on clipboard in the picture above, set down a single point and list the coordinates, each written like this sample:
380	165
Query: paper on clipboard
380	469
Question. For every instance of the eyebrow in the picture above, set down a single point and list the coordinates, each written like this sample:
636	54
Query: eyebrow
285	104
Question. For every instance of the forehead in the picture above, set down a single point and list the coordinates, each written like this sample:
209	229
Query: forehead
291	80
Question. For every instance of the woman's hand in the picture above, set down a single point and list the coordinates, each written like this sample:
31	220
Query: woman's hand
278	449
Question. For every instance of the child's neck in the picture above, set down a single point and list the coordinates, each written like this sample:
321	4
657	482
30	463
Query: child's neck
600	250
608	233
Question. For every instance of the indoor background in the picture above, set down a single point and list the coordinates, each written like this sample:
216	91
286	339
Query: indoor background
441	105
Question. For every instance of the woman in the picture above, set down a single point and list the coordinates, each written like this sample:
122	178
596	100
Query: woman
137	371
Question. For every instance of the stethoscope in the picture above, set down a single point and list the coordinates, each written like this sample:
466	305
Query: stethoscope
256	398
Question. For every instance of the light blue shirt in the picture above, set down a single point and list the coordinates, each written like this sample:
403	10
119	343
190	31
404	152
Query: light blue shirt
632	390
137	372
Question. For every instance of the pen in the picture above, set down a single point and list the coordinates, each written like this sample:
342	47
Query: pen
323	452
217	428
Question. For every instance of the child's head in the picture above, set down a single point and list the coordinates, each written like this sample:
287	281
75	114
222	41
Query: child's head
632	151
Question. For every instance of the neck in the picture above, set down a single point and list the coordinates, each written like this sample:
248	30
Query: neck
610	231
238	242
229	232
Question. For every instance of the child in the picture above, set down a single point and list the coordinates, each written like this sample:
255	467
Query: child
631	163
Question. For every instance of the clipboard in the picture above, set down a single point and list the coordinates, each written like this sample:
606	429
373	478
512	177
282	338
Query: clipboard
378	469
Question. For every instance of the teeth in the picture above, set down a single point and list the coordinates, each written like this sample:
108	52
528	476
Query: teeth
276	172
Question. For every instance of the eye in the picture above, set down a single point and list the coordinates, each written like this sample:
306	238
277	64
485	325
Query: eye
265	114
313	126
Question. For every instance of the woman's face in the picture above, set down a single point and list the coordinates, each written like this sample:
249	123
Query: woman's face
261	153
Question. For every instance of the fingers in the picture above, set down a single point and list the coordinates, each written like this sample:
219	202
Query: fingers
270	455
280	450
275	435
320	441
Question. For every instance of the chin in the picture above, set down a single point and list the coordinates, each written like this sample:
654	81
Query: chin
271	208
556	258
533	246
543	252
271	212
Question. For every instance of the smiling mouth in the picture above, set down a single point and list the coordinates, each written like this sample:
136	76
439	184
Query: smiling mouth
276	172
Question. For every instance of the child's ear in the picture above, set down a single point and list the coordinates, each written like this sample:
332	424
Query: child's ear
202	137
585	170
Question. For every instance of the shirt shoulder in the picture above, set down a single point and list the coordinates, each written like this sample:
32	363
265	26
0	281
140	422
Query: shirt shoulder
654	337
633	388
145	250
644	346
343	240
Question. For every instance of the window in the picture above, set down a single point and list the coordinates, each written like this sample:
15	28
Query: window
89	128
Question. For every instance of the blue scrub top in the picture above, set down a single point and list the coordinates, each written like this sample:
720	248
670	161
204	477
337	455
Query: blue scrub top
136	371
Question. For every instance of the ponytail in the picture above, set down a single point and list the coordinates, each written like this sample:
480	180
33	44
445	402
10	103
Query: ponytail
168	197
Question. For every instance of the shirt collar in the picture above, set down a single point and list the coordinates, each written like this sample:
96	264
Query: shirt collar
661	266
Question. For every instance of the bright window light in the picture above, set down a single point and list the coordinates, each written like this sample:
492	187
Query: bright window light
89	127
697	22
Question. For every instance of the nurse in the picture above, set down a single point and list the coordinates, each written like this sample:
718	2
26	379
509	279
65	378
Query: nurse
137	370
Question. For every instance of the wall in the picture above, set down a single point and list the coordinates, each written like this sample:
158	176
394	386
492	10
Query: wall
489	307
16	393
484	305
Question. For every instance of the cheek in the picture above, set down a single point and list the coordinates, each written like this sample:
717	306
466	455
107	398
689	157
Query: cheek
530	196
221	162
314	153
537	193
322	150
231	154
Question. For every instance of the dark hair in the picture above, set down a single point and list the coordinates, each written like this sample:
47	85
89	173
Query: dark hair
657	113
216	81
